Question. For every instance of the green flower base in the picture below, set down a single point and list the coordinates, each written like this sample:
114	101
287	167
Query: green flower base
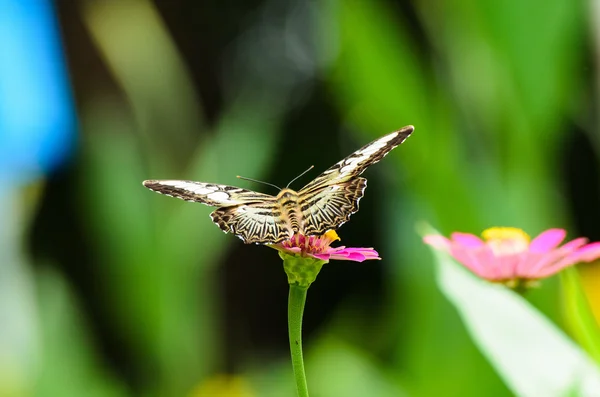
301	270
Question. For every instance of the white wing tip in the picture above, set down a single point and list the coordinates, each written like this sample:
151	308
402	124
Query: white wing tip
164	182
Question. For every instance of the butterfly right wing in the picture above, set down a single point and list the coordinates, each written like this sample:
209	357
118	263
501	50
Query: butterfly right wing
328	201
331	206
356	163
253	217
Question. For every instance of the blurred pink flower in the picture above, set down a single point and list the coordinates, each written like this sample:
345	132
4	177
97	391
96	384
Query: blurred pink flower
318	247
506	254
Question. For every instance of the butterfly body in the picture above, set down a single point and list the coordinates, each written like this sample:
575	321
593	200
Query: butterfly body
288	200
323	204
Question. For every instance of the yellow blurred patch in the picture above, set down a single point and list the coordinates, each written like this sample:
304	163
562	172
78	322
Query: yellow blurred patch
223	386
590	279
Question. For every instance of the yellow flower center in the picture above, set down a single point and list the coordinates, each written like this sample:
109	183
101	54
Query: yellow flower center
312	244
331	235
506	240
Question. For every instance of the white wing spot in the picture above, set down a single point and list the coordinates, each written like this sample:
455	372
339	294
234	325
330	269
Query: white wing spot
378	145
190	187
347	169
218	196
200	190
387	138
391	136
373	148
352	163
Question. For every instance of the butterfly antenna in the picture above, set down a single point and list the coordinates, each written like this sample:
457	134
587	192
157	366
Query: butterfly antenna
257	181
309	168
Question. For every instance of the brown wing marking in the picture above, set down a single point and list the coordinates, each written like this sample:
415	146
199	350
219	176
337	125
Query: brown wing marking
259	223
253	217
206	193
356	163
331	206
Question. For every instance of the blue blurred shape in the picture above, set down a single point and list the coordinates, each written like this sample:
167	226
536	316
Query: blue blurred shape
37	118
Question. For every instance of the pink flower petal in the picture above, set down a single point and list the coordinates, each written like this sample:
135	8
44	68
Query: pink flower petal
437	241
556	267
555	260
366	251
547	240
486	260
575	244
588	253
543	257
507	266
537	263
323	257
552	270
354	256
480	260
466	240
349	254
531	262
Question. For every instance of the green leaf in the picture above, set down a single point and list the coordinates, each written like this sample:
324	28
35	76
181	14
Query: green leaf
334	368
530	353
145	62
71	364
337	369
578	313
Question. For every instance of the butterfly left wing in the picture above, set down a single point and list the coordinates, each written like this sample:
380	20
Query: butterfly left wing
355	164
259	223
206	193
252	216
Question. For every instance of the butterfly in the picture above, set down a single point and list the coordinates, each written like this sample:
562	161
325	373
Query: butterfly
324	203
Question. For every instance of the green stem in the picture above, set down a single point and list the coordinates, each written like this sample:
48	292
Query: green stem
296	302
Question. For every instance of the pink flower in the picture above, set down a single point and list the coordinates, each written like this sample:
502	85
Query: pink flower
318	247
506	254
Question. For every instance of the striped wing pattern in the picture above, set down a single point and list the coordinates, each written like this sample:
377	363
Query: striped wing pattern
249	215
253	223
335	193
323	204
355	164
331	206
206	193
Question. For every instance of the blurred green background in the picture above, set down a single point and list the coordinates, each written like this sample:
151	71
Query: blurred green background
116	291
